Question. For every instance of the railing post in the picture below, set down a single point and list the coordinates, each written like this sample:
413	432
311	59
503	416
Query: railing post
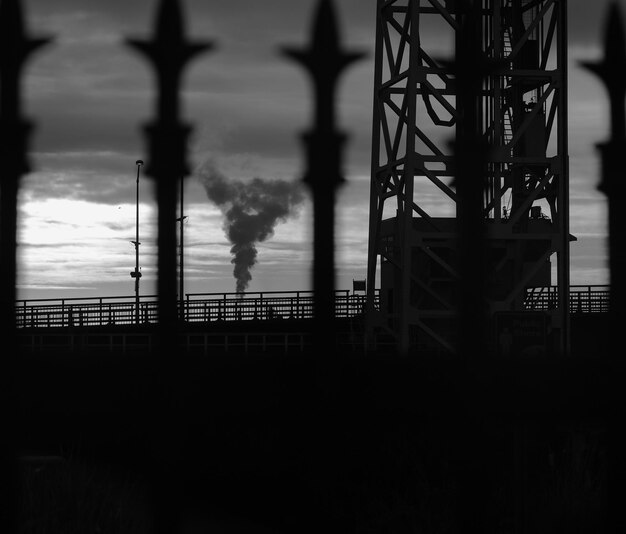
471	66
612	72
168	51
15	47
324	61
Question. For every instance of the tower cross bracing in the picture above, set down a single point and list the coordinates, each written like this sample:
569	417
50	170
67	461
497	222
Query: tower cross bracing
417	115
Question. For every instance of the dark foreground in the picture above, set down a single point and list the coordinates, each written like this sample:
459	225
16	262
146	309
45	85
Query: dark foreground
337	443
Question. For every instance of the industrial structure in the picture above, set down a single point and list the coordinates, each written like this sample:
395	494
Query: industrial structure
414	267
522	107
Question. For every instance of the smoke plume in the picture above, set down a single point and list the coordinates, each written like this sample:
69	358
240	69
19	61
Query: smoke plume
251	209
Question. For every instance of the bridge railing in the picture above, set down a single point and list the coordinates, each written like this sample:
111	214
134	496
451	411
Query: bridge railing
85	312
201	307
267	305
197	308
582	298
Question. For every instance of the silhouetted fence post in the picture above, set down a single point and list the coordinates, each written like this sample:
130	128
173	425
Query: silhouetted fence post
612	71
15	47
324	60
168	51
471	67
167	138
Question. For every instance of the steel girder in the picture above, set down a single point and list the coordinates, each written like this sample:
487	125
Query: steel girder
413	201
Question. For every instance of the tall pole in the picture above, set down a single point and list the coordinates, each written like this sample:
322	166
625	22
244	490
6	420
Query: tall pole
181	274
15	46
136	274
612	74
324	60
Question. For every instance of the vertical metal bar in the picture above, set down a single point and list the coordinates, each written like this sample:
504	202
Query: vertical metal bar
612	71
324	60
563	258
471	68
470	182
181	268
372	245
498	116
15	47
137	275
408	178
168	51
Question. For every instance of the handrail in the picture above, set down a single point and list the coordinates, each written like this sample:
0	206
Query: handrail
188	296
582	298
264	305
102	311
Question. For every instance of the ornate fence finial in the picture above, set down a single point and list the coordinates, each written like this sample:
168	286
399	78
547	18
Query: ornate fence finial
324	60
15	47
168	51
471	67
612	71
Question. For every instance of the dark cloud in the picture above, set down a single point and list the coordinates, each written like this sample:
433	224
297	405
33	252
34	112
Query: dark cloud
251	212
86	127
92	186
202	244
96	96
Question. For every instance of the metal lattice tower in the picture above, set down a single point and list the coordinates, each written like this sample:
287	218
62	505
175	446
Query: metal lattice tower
413	202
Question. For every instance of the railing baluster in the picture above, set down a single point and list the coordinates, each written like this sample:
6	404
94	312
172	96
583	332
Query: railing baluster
612	71
168	51
15	47
324	61
471	66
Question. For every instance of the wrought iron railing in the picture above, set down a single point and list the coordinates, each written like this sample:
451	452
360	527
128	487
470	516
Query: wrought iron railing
582	298
465	404
197	308
267	305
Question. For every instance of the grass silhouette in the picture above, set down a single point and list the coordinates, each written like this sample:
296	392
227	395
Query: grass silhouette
71	497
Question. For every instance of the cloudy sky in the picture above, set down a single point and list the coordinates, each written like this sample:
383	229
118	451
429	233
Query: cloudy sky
89	96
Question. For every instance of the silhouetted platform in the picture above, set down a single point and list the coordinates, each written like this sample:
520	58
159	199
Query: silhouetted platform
250	323
318	439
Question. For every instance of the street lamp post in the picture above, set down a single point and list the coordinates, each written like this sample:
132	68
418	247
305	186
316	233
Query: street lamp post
181	271
136	274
